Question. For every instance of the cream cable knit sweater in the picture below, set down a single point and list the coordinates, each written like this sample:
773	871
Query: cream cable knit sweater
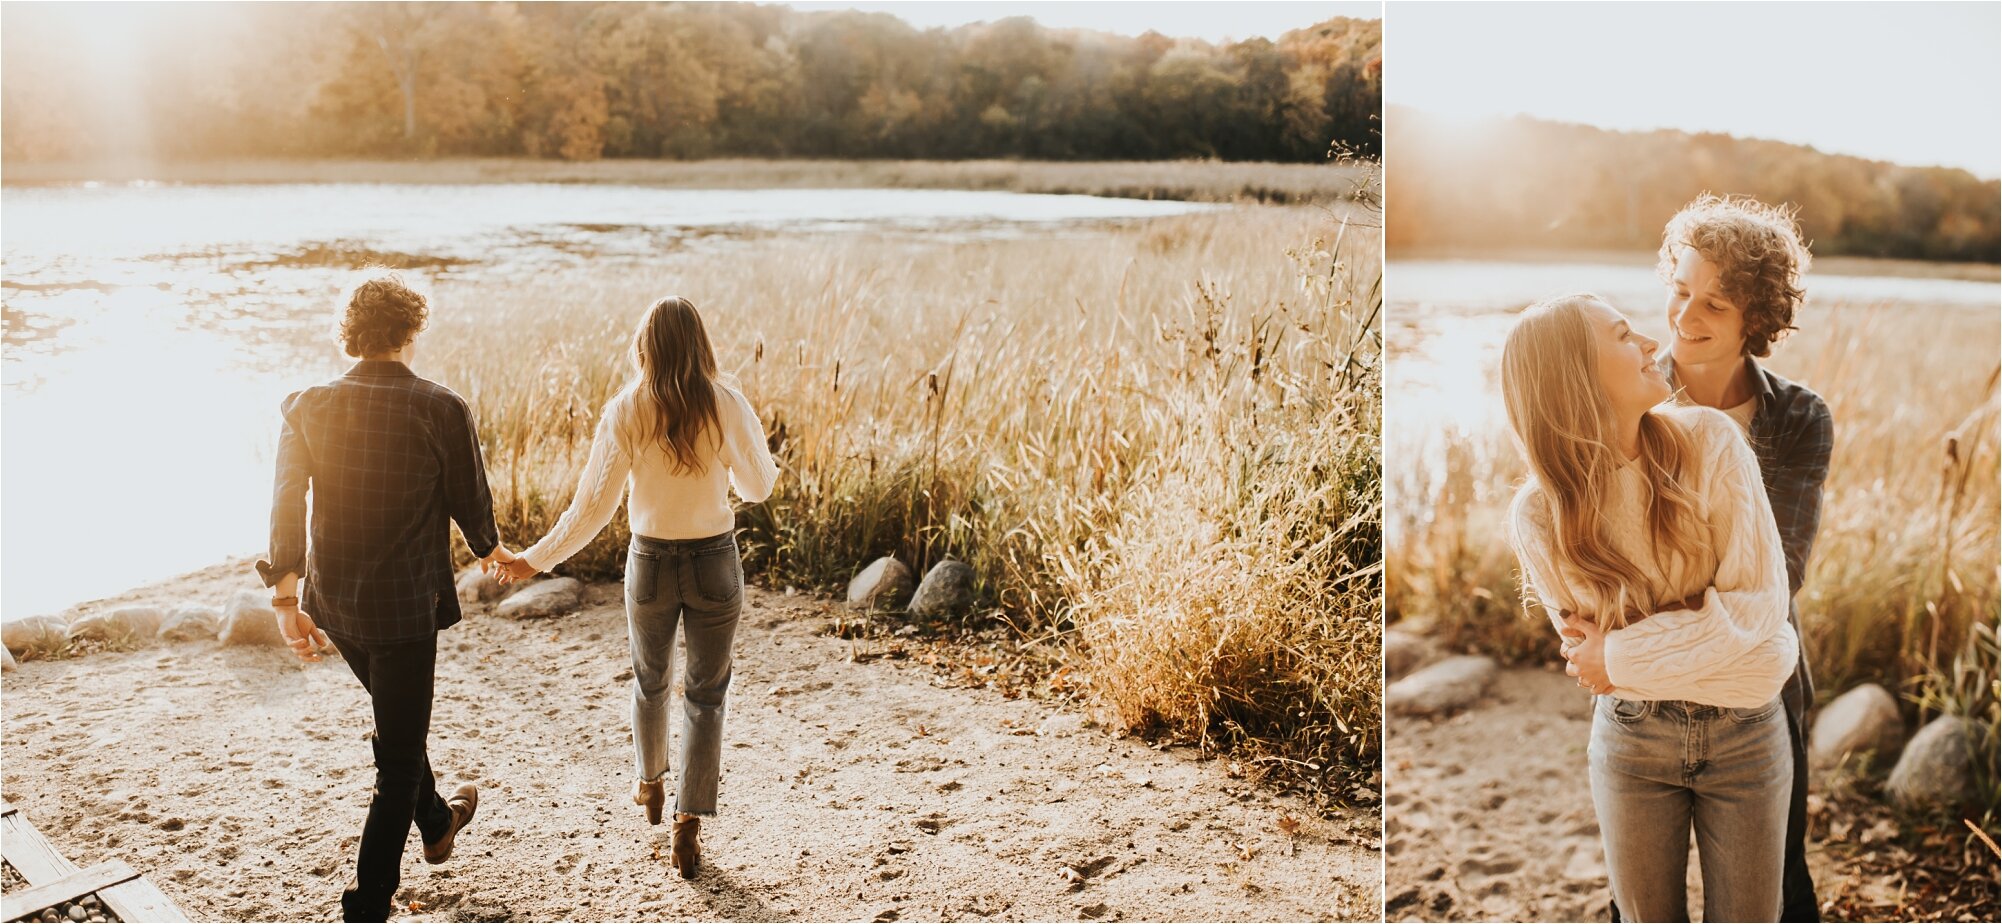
665	504
1738	649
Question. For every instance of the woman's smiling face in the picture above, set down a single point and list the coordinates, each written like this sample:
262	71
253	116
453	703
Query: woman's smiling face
1627	371
1704	326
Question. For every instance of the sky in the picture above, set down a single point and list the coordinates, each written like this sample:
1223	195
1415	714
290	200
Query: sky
1210	20
1911	83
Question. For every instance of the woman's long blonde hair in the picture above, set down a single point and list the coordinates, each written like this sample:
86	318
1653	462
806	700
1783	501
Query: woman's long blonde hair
676	383
1564	426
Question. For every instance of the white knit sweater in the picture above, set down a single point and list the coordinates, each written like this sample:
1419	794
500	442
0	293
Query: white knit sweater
1738	650
665	504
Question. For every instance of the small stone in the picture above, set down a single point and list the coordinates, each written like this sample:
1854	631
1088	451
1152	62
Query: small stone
79	915
125	624
1448	685
542	599
1405	651
192	624
1937	769
884	585
475	587
248	620
6	659
1862	723
37	634
947	590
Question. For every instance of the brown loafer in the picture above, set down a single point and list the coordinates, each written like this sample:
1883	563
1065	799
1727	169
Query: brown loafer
652	795
464	802
686	853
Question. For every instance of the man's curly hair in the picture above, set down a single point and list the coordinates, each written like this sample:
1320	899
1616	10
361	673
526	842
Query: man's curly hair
1759	256
382	316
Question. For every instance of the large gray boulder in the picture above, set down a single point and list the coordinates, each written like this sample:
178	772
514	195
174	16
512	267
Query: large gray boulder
1860	725
125	624
476	588
543	599
37	634
947	590
1405	651
1937	769
884	585
247	619
192	624
1443	687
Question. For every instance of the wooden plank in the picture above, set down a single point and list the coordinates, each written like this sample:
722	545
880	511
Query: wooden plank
140	900
69	888
30	853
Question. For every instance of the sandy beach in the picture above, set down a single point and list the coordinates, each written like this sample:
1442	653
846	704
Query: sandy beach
237	780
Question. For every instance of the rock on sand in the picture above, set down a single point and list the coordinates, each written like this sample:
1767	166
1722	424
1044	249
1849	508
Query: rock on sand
1442	687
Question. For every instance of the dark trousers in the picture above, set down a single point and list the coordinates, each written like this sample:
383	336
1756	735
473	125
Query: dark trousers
1797	900
398	677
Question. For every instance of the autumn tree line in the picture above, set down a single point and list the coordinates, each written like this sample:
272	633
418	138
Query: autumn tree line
582	81
1529	183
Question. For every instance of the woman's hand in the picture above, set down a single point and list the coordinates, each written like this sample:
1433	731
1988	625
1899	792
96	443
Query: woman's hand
515	569
1585	653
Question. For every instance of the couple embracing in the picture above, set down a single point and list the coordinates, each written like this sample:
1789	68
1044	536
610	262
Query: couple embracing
1672	501
389	457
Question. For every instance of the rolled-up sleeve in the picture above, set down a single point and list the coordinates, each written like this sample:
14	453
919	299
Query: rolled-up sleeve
288	498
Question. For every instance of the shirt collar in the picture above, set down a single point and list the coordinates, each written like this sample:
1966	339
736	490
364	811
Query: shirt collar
382	367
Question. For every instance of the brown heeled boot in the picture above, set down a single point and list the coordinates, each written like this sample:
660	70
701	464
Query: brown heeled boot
686	854
652	795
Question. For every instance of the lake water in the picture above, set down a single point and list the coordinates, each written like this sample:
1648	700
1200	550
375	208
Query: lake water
150	331
1446	320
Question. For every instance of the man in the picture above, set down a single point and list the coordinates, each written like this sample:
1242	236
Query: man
1733	268
389	457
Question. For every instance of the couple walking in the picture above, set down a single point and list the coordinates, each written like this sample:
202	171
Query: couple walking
389	457
1672	502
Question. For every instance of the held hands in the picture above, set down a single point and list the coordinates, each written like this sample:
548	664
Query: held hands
1584	651
516	570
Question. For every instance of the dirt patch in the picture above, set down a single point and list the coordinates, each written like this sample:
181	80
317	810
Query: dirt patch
875	789
1489	817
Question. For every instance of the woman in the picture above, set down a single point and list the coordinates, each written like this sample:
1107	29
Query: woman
679	437
1645	531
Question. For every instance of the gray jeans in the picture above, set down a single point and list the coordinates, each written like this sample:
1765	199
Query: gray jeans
698	584
1660	767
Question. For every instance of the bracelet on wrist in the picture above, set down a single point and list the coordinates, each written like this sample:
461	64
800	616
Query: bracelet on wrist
284	601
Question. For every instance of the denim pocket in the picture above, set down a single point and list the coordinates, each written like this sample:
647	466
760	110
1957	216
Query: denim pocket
1755	714
719	575
1628	711
642	576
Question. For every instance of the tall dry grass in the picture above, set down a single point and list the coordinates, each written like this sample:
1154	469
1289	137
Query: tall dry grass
1901	589
1156	444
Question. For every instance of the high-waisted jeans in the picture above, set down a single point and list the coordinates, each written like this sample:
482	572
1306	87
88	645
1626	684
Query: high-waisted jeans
698	584
1660	767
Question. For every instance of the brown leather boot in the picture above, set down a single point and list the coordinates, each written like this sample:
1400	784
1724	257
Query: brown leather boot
686	854
652	795
464	802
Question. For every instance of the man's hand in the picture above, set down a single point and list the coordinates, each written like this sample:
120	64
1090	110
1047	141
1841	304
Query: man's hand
496	558
517	569
301	635
1585	653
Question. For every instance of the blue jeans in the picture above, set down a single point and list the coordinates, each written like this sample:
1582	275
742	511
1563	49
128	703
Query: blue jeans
699	585
1660	767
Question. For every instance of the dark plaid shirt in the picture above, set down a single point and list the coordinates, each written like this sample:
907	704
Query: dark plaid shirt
1793	435
389	458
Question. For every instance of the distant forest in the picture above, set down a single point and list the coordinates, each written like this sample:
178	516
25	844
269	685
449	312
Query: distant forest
1528	183
582	81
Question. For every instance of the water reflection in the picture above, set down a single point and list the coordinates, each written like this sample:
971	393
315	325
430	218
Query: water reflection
150	330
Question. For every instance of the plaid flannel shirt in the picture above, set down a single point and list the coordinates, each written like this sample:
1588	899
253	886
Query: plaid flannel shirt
1793	434
389	457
